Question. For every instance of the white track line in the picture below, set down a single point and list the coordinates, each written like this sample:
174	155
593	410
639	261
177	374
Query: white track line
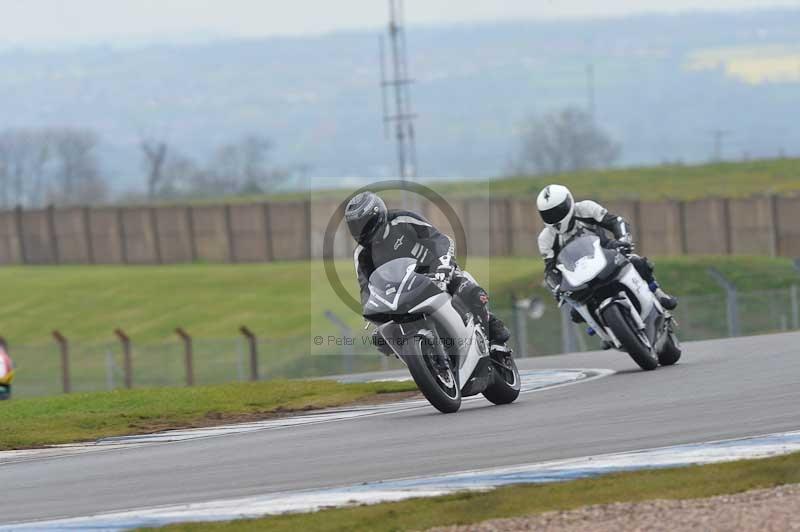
532	381
397	490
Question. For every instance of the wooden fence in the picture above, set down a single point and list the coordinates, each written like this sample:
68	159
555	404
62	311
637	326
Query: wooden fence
264	232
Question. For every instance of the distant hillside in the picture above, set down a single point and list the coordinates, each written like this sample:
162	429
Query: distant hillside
679	182
662	84
725	180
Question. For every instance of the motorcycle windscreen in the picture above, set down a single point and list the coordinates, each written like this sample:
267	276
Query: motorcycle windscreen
395	288
391	274
581	260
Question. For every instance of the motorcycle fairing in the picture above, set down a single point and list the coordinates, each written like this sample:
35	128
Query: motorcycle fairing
388	296
646	310
416	295
585	268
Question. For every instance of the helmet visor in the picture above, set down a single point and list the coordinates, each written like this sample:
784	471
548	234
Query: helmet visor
557	213
364	229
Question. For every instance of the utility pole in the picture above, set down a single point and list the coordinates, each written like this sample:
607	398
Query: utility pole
401	114
718	136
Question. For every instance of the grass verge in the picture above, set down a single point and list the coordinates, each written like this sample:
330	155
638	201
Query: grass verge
83	417
466	508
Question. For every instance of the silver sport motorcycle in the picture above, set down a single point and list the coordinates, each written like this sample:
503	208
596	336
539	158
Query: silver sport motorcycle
443	345
605	288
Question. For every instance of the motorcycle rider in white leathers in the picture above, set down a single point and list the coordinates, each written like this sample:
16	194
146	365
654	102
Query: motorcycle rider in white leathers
563	218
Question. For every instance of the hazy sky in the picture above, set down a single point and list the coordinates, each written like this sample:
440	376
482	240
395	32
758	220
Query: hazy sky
49	22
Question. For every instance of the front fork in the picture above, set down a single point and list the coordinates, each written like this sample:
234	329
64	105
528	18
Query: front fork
605	333
593	324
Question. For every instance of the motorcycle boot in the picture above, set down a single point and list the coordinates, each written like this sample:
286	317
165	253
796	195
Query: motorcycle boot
667	301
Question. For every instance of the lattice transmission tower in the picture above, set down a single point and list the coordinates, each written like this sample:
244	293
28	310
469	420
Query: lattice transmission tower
398	113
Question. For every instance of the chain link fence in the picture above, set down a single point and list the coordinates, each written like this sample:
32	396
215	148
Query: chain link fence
101	366
94	367
699	318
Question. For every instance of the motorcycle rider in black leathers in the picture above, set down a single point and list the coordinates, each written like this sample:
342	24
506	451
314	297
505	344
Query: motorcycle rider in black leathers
384	235
563	218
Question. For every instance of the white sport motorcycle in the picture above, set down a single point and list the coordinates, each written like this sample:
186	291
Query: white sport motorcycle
605	288
434	334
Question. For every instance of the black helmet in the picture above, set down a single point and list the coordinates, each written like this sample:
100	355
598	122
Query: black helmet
365	214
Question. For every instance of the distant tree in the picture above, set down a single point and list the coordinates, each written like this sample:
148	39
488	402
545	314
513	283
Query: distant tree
154	160
24	154
566	141
76	177
240	168
224	175
254	151
180	174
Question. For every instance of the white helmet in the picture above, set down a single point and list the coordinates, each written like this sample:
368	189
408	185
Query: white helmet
557	207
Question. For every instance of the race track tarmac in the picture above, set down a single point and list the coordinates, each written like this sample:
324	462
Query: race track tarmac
721	389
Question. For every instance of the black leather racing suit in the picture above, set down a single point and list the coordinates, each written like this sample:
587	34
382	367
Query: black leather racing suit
407	234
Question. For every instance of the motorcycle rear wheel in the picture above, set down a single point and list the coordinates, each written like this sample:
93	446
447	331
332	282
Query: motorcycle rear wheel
671	352
625	333
506	384
439	387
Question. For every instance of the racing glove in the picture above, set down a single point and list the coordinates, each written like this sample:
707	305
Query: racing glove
444	272
552	280
624	245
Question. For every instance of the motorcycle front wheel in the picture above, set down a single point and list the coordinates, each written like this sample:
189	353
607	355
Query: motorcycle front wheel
434	378
626	334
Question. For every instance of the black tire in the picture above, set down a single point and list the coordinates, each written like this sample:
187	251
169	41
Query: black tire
445	399
671	353
506	383
639	352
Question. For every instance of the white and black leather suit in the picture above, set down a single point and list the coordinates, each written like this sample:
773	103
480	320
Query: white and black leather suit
596	218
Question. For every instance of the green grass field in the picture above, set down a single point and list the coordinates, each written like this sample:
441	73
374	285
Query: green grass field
285	305
466	508
84	417
276	300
